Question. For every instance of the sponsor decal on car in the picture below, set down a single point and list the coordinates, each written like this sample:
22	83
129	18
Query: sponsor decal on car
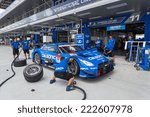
48	56
96	57
59	68
93	68
84	68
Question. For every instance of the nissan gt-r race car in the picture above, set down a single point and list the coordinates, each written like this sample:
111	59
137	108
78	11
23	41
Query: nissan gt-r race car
87	63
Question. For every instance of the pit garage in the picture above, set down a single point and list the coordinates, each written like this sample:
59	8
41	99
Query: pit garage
58	30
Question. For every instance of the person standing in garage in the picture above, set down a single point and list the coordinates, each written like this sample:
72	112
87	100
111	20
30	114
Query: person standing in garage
62	73
98	44
109	48
15	46
130	40
26	47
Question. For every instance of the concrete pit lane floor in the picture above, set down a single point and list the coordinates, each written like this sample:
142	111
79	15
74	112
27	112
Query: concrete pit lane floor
124	83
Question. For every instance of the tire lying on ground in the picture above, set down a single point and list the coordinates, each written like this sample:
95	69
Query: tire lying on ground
33	73
20	62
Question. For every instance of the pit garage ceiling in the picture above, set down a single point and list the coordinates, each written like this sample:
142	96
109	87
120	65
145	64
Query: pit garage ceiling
23	8
117	8
5	3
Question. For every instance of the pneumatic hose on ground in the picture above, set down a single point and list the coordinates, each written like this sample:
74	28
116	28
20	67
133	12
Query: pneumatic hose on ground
14	73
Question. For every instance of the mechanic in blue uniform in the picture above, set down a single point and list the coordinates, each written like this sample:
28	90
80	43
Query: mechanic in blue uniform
130	40
109	47
25	47
98	44
62	73
15	46
30	43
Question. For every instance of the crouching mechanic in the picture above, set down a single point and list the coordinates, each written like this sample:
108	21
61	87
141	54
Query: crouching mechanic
62	73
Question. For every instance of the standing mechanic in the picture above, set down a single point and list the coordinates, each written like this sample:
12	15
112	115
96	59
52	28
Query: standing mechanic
15	46
130	40
62	73
109	47
98	44
26	47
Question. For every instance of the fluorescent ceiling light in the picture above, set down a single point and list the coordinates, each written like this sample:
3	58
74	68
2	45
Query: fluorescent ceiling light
95	17
117	6
2	10
70	22
59	20
128	11
83	14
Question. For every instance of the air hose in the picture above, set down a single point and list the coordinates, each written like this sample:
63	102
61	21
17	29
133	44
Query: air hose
14	73
84	93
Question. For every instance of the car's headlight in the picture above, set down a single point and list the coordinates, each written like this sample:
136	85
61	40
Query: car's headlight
86	62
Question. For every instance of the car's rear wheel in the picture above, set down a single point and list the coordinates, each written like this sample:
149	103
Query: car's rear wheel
37	58
73	68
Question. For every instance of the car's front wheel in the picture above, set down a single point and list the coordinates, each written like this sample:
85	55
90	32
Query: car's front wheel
73	68
37	58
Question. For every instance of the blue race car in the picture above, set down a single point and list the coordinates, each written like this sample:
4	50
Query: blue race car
87	63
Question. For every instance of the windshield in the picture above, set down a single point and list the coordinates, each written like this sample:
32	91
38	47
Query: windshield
70	49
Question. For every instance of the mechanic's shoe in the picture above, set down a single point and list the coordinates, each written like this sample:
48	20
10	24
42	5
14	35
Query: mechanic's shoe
52	81
70	88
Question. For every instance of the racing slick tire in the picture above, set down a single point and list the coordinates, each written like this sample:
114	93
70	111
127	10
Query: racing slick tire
74	68
33	73
37	59
20	62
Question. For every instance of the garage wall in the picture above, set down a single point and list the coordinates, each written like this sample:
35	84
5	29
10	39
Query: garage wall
147	27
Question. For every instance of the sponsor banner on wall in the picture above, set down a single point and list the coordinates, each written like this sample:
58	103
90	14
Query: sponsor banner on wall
117	27
107	22
70	5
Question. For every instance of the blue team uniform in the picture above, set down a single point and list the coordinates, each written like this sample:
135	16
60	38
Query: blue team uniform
62	66
15	45
99	43
111	44
61	70
25	45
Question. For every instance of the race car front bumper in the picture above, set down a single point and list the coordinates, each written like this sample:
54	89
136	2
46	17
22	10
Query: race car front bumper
104	68
94	72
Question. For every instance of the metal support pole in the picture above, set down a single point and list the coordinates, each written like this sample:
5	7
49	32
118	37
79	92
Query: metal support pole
81	26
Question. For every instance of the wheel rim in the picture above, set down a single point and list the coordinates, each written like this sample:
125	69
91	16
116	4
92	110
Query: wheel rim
37	59
32	71
72	68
